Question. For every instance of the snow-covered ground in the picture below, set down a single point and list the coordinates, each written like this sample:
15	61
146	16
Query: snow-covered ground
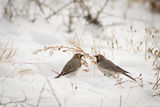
27	79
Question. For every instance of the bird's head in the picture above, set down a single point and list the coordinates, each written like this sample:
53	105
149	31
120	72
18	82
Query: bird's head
78	56
99	57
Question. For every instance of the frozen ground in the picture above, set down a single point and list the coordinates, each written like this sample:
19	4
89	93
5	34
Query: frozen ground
27	79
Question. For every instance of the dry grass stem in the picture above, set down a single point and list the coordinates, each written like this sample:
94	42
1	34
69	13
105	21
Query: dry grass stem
53	92
74	48
39	98
54	71
139	81
7	53
120	101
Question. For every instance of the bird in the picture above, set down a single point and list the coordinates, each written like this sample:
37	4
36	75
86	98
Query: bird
109	68
72	65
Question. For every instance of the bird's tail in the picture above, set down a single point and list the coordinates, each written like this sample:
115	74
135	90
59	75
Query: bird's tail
58	75
129	76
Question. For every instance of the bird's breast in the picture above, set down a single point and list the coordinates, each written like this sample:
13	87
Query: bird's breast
106	71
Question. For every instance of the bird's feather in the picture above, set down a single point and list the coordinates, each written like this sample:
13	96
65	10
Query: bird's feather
70	67
129	76
107	64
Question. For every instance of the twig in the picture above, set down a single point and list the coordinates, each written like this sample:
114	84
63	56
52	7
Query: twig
156	85
120	101
158	55
125	100
54	71
60	9
74	88
53	92
101	10
39	5
139	77
7	53
82	51
39	98
119	83
157	94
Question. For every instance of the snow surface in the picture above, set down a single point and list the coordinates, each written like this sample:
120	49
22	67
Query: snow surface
28	72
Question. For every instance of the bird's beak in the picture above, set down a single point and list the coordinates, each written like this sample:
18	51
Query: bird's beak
82	56
96	56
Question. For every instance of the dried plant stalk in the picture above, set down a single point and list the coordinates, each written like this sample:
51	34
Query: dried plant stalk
63	48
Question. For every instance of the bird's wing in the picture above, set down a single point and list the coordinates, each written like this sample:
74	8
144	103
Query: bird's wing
111	66
71	66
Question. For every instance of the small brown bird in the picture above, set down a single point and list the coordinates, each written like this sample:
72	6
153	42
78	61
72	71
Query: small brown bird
109	68
72	65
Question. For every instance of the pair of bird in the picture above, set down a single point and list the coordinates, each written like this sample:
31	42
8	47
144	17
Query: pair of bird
103	64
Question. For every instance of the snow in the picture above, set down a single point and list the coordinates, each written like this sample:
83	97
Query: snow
27	73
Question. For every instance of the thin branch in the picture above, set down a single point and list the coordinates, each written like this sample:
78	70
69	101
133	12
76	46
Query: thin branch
39	98
54	71
39	5
60	9
158	55
101	10
156	85
139	78
120	101
53	92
